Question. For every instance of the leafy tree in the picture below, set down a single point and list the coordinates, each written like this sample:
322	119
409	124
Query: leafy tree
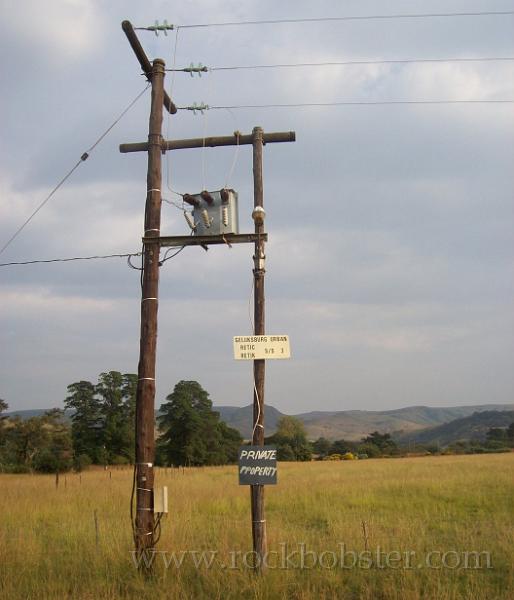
56	453
342	447
496	433
116	394
129	388
291	440
86	419
285	452
231	442
370	450
41	443
3	407
103	418
382	441
192	434
24	439
322	446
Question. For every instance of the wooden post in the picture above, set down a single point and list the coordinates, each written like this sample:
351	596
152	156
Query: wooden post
259	366
97	530
213	142
144	62
145	396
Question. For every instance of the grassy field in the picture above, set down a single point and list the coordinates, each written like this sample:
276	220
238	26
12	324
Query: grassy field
438	509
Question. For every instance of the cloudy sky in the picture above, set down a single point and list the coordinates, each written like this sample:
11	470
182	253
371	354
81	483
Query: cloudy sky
390	227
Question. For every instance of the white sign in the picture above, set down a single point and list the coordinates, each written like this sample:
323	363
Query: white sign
256	347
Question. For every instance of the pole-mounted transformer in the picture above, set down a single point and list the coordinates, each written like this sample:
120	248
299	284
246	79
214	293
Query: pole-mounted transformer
214	213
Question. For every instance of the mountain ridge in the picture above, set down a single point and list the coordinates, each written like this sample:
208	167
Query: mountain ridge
351	425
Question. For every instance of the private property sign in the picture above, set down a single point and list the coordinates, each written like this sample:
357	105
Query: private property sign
256	347
257	465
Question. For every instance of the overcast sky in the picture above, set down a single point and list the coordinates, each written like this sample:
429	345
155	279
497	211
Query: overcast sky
391	227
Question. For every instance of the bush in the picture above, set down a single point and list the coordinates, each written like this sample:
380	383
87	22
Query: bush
348	456
285	452
333	457
48	462
15	469
497	450
120	460
370	449
81	462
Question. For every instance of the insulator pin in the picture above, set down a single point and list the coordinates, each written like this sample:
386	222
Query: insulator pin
205	218
189	220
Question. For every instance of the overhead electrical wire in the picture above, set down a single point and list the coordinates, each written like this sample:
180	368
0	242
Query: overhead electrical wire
487	13
82	159
343	103
170	92
360	62
73	258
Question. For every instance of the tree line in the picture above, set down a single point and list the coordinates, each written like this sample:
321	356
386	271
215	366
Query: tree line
101	424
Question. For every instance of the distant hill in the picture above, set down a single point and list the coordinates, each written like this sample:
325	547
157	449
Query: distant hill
473	427
241	418
353	425
36	412
356	424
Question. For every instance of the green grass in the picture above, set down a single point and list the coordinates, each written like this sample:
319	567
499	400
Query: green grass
450	504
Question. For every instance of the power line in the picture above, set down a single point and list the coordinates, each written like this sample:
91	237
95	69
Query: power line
82	159
351	18
73	258
199	108
356	62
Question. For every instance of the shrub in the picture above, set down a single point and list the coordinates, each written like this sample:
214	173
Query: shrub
15	469
49	462
370	449
81	462
333	457
120	460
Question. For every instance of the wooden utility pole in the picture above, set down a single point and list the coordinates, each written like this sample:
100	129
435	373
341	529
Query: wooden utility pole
152	242
145	397
259	366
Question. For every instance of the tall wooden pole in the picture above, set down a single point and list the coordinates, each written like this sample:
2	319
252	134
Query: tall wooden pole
145	398
259	366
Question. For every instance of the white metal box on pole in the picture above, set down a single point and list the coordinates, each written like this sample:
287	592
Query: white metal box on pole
215	213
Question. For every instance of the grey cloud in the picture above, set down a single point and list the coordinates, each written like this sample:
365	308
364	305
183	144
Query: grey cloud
390	251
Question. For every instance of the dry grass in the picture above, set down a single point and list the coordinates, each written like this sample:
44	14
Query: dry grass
456	503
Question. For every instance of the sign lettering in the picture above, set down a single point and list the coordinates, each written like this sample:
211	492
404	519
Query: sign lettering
257	465
257	347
